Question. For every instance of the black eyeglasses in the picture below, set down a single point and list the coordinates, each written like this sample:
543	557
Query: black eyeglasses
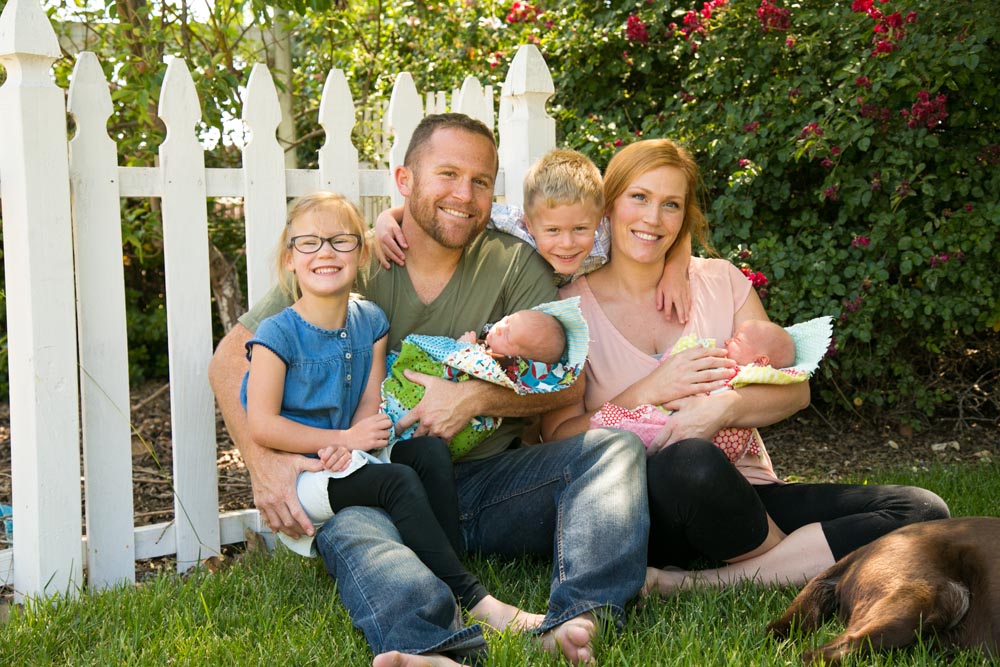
307	244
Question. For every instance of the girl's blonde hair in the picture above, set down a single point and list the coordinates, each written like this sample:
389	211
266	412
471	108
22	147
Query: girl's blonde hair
643	156
345	213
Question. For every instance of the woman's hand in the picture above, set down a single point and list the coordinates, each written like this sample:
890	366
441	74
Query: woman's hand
699	370
335	459
370	433
693	417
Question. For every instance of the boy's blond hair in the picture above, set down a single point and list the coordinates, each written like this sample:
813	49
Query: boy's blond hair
345	212
563	177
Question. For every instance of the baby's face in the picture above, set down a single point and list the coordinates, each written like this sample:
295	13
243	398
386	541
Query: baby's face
746	345
564	235
504	337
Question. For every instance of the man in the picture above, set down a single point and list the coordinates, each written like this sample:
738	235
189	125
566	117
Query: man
582	499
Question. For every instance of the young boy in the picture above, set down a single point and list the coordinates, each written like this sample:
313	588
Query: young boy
563	219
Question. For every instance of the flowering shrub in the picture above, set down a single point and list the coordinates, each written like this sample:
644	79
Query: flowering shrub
850	154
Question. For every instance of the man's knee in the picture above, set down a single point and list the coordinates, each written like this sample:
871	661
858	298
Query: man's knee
609	443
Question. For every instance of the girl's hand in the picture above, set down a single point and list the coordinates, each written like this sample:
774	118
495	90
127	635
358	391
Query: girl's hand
389	235
370	433
468	337
335	459
698	370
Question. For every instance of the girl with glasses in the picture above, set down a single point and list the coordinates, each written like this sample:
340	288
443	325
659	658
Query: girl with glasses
313	389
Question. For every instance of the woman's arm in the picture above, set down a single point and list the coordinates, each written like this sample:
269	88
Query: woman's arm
692	372
568	420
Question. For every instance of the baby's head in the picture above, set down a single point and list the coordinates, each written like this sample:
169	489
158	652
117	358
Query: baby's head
763	343
530	334
563	204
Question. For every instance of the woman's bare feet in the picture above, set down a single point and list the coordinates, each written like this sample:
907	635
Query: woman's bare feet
667	581
397	659
574	639
502	616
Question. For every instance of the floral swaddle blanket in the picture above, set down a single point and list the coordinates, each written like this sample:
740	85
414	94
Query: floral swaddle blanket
445	357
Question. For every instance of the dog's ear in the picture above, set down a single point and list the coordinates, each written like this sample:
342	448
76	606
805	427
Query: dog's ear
810	609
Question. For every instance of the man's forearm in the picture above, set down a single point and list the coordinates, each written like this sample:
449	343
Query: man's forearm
496	401
225	374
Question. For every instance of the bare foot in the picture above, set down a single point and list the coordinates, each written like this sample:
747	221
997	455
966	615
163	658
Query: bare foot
667	581
397	659
502	616
573	639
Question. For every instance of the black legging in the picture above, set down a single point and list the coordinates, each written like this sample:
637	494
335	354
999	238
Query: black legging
700	506
417	490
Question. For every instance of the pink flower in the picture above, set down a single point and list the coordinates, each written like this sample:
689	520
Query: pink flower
862	82
743	162
812	129
522	12
861	242
636	30
773	18
751	128
832	193
826	162
926	111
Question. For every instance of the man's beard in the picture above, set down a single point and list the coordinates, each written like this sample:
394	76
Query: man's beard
425	214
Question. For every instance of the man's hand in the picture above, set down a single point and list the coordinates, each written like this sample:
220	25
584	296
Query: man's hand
443	411
273	477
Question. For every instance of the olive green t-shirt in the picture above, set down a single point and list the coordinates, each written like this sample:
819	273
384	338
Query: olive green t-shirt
496	276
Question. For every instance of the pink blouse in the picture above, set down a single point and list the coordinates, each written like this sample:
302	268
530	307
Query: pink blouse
718	290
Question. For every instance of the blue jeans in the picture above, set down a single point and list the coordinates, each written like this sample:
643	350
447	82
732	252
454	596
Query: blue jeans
581	501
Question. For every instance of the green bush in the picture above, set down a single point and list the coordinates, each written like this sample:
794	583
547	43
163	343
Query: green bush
850	152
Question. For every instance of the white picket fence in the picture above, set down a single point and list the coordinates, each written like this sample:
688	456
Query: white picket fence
65	296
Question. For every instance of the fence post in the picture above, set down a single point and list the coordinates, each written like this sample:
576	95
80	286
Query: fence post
41	322
526	130
189	320
263	180
404	114
104	386
338	158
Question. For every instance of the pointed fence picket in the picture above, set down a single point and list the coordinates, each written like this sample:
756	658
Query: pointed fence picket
65	285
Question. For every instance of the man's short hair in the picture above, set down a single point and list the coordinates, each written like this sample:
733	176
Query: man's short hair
442	121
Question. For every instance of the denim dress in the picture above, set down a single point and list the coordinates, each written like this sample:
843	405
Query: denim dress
327	370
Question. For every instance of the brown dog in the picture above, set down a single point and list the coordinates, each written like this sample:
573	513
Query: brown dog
938	577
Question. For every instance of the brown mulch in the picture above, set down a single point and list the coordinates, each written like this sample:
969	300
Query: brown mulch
812	445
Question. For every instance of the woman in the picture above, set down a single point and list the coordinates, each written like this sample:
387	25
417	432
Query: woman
701	505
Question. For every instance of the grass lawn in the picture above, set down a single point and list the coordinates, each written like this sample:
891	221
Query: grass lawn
279	609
